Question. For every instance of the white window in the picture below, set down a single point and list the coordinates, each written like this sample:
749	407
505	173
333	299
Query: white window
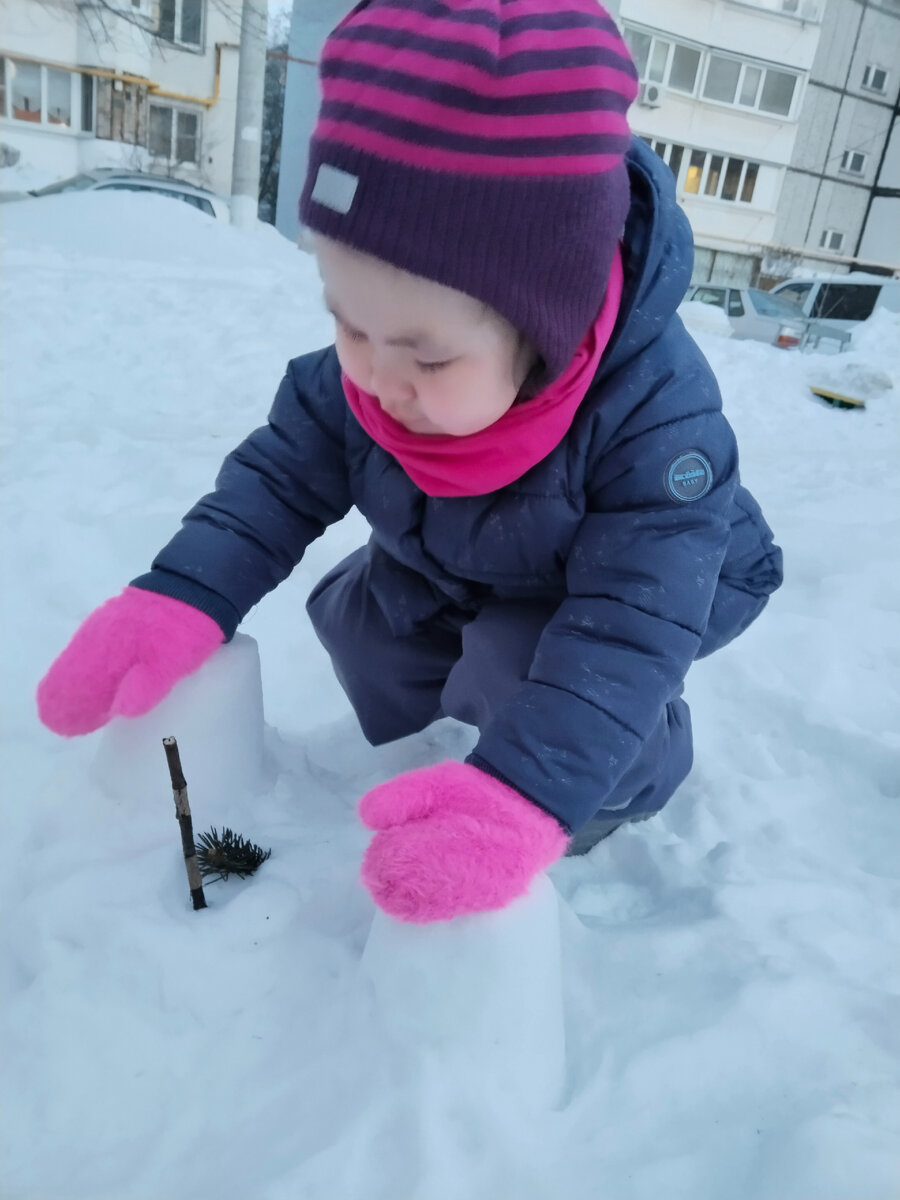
46	95
831	239
181	21
174	134
732	81
853	162
875	79
662	60
723	177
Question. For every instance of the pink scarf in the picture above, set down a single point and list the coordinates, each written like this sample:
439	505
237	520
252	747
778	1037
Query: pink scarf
482	462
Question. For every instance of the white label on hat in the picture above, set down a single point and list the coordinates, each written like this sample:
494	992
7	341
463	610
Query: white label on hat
334	188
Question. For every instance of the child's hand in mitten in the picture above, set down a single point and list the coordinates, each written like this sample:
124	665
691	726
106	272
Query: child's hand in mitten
123	660
450	840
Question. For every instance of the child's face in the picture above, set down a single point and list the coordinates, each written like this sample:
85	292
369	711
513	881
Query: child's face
437	360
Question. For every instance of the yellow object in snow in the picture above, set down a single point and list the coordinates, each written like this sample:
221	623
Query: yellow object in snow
836	399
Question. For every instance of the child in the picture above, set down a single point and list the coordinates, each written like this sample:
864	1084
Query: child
558	528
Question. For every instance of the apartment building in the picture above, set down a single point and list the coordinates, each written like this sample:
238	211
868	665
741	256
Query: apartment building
145	84
723	86
840	203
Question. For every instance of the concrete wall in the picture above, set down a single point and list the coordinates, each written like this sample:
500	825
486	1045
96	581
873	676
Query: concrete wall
311	22
840	115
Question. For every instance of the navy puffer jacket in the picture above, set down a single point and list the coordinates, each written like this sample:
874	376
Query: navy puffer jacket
636	525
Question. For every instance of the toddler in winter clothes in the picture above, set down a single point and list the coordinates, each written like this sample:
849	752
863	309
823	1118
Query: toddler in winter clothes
558	527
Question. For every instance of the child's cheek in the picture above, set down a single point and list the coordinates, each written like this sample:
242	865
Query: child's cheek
352	358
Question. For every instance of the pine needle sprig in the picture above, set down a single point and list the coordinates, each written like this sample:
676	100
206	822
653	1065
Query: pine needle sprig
218	857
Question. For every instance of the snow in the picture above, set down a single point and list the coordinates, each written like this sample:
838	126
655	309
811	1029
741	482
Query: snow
724	977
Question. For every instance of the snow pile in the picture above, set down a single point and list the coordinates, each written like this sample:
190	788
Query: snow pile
716	988
705	318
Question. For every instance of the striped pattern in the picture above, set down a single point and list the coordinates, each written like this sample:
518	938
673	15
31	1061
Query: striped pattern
489	87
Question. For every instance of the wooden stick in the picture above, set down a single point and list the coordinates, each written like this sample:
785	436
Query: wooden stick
183	813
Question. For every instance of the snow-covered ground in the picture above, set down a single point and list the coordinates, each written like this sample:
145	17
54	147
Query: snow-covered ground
725	976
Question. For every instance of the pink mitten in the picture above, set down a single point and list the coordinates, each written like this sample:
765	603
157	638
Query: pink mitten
123	659
452	840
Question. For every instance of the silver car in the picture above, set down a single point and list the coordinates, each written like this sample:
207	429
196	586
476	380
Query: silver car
110	179
755	314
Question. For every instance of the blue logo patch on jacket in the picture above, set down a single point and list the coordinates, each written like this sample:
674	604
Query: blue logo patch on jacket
689	476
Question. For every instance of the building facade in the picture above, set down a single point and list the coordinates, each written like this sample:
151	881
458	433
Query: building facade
841	197
723	86
311	22
153	89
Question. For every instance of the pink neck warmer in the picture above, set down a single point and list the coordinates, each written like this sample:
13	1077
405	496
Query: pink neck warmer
494	457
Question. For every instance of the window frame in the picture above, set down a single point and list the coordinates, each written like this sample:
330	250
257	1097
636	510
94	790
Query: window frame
828	236
706	55
175	112
873	69
847	167
745	66
78	109
671	44
685	161
177	38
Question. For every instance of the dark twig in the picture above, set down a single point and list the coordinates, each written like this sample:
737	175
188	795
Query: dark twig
183	813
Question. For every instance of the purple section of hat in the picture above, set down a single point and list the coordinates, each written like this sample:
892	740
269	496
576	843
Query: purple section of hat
538	251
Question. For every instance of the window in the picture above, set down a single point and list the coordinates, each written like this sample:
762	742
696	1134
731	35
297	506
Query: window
778	93
846	301
59	97
694	172
46	95
853	162
796	293
875	79
26	91
710	295
684	69
831	239
87	103
187	131
722	76
735	304
174	134
712	174
660	60
730	81
749	182
181	21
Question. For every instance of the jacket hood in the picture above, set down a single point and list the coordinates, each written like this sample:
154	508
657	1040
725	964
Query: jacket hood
658	257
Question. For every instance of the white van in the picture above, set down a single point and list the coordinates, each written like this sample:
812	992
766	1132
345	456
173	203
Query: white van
841	301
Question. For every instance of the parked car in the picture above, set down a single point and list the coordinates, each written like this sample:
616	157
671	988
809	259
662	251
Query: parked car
841	301
110	179
754	314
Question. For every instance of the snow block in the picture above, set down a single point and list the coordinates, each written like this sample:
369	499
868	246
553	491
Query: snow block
216	714
482	995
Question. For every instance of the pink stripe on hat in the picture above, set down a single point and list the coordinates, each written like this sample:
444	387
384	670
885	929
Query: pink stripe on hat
495	125
435	159
481	144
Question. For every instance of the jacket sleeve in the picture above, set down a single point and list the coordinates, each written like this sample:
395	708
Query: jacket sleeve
274	494
640	577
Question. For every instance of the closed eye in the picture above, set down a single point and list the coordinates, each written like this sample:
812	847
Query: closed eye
434	366
352	335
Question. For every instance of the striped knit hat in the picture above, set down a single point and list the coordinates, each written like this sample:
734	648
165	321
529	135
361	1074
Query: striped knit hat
480	144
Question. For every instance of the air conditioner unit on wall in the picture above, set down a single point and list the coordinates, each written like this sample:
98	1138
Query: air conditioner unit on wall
651	95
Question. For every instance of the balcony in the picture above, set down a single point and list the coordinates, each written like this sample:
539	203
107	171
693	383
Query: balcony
800	10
